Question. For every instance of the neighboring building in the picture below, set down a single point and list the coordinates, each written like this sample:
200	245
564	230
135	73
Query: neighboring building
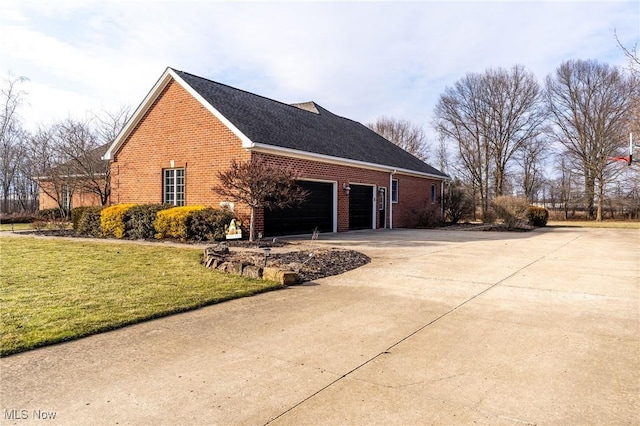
76	183
188	128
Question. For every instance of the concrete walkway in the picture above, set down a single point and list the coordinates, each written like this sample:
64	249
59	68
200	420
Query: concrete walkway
442	327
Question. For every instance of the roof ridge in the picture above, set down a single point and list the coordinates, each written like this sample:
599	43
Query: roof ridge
242	90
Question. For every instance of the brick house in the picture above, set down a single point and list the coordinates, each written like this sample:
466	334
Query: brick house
81	182
188	128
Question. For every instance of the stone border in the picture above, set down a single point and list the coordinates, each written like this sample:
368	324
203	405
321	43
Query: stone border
215	257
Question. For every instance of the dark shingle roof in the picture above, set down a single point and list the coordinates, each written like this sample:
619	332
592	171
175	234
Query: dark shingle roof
270	122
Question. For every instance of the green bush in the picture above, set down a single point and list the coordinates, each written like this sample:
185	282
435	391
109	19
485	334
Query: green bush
89	222
172	223
208	224
112	220
52	214
537	216
138	222
76	214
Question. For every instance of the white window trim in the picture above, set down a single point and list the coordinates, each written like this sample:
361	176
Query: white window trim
394	200
175	186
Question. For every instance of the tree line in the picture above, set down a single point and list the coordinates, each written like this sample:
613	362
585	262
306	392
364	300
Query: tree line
561	143
501	132
64	154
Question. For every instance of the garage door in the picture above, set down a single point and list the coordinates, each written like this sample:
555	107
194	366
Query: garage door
360	207
315	212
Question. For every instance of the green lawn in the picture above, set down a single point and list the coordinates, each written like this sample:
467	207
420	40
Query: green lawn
56	290
15	226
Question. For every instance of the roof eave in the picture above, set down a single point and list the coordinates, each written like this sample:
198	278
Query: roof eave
168	75
272	149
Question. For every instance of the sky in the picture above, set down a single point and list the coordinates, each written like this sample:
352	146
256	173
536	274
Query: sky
360	59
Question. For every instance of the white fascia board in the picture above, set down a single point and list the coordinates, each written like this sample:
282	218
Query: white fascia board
148	101
304	155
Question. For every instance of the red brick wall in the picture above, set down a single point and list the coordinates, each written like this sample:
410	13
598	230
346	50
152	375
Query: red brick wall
79	198
177	127
414	193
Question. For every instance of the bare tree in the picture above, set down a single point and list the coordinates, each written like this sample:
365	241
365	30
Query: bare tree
109	124
11	137
81	159
490	117
516	113
531	159
590	105
42	159
404	134
259	185
631	54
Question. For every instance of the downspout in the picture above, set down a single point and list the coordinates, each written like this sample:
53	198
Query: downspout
442	197
393	172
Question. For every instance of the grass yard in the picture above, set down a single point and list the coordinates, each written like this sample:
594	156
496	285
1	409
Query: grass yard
15	226
594	224
53	290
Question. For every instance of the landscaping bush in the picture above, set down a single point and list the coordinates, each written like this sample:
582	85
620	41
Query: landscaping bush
89	222
52	214
537	216
172	223
138	222
17	218
208	224
76	214
458	205
512	210
428	217
112	220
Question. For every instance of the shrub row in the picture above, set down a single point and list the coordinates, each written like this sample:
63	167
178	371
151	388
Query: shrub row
147	221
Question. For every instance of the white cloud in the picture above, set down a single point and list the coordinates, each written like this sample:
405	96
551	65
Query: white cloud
358	59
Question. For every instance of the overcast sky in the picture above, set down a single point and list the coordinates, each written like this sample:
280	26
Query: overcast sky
360	60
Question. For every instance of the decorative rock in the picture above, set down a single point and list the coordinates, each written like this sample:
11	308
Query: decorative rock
220	249
252	271
235	268
280	276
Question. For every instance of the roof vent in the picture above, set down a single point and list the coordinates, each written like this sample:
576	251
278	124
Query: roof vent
307	106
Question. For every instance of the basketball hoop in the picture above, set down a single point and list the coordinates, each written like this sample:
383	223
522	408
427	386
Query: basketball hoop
629	158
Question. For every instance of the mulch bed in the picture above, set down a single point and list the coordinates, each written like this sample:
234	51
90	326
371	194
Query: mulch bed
310	265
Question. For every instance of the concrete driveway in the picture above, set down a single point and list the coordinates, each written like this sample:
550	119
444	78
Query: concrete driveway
442	327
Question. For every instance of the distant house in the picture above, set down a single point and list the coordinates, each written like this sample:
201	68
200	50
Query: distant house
78	182
188	128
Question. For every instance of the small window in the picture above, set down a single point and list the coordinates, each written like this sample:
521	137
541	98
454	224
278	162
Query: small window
394	190
173	187
434	193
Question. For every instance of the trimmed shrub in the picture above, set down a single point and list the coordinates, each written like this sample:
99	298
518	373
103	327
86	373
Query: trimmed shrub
17	218
52	214
76	214
112	220
512	210
138	222
537	216
208	224
89	222
172	223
